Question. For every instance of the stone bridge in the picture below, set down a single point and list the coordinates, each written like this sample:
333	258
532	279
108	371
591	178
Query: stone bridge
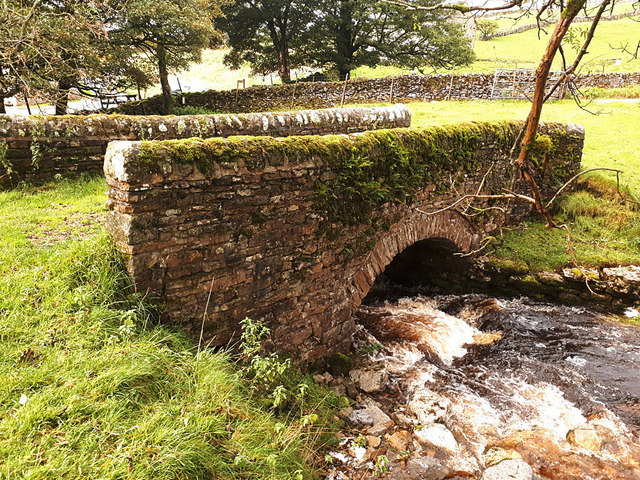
294	231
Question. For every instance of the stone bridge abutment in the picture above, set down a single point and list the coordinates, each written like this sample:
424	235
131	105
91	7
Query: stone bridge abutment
294	231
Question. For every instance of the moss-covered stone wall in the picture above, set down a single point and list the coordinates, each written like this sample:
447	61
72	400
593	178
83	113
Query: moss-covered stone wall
37	148
294	231
366	90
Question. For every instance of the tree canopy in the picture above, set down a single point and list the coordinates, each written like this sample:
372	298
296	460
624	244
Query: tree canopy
278	35
169	34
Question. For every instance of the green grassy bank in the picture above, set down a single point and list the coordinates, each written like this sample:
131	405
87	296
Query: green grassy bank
605	228
92	388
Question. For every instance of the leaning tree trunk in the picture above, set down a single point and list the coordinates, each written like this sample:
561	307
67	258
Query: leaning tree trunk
167	100
533	120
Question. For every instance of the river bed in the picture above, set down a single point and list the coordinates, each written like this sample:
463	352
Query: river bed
476	387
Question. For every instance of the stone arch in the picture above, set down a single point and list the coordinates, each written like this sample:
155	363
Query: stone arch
448	225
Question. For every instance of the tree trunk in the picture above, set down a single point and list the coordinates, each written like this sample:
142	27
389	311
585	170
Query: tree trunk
533	120
2	109
62	99
284	64
167	100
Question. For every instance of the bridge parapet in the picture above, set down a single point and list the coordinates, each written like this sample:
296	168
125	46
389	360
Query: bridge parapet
38	147
294	231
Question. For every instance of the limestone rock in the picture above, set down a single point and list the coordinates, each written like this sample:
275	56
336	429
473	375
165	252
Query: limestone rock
586	438
373	441
509	470
437	436
360	418
400	440
496	455
427	468
381	421
345	412
369	380
428	406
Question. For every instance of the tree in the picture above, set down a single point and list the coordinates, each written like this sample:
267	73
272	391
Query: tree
53	46
487	28
352	33
169	33
267	34
567	14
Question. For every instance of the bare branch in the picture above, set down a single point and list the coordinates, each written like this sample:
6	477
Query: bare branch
578	175
454	7
484	197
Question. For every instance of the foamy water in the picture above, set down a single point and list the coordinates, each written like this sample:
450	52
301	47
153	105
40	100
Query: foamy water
518	375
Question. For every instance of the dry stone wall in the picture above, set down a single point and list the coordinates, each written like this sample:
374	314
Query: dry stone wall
36	148
293	231
329	94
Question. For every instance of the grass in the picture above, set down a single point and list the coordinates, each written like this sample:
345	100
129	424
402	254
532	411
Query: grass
525	49
93	388
632	91
605	230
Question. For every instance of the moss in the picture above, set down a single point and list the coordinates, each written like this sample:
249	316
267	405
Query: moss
506	266
258	217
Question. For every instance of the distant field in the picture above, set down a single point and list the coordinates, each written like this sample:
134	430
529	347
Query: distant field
525	49
514	20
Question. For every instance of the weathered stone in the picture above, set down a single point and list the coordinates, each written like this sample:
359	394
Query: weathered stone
327	94
369	380
381	421
373	441
437	436
428	407
427	468
509	470
586	438
224	236
400	440
72	145
360	418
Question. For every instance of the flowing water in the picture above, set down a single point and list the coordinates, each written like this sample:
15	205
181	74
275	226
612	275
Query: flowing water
558	387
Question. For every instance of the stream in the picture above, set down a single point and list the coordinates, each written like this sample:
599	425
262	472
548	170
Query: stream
468	386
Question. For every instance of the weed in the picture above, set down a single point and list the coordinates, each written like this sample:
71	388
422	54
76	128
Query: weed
381	466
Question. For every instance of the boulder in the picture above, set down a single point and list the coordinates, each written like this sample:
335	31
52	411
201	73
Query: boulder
437	436
427	468
586	438
381	421
509	470
428	406
400	440
369	380
360	418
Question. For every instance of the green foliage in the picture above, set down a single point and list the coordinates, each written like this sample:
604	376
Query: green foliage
266	34
5	163
369	349
93	388
381	466
276	383
487	27
350	34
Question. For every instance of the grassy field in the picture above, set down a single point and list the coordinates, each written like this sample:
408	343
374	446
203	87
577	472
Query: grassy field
525	49
93	388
